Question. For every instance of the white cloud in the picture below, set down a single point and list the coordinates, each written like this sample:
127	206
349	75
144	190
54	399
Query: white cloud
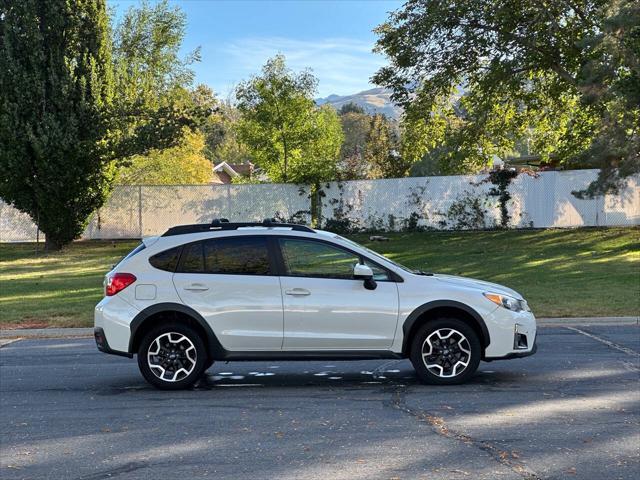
342	65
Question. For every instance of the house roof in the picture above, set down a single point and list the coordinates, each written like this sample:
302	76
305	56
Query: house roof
225	167
234	169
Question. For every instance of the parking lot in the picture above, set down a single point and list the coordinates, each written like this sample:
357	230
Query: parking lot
570	411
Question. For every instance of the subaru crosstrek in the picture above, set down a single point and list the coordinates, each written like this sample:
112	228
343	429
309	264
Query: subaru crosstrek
272	291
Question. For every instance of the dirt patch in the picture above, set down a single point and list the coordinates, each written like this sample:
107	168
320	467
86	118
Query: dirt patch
25	324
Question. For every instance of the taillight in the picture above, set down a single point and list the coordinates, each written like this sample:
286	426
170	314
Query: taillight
118	282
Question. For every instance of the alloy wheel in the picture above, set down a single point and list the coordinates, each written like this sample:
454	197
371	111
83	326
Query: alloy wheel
171	357
446	352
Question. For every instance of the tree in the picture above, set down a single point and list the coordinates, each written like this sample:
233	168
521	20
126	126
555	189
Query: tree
566	71
289	137
56	82
183	164
154	104
319	159
73	105
355	127
381	150
222	138
609	82
351	107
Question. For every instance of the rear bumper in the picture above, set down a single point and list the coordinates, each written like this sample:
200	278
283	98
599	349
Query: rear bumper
103	344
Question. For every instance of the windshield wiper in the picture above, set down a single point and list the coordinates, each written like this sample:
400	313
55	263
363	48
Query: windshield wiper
422	272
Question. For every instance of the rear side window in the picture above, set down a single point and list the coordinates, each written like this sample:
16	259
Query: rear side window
227	256
192	258
237	256
167	260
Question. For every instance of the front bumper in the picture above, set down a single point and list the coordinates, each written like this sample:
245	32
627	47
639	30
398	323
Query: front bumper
103	344
513	334
516	354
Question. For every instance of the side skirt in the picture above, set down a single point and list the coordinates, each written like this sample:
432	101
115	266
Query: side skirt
308	355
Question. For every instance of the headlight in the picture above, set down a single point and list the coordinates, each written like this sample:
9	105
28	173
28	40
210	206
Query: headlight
508	302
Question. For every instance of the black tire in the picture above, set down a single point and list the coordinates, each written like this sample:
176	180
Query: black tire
208	364
453	355
180	360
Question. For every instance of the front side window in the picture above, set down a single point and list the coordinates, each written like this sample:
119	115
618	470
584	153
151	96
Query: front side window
379	273
375	254
304	258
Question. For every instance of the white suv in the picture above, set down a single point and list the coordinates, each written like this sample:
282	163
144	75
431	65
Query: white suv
266	291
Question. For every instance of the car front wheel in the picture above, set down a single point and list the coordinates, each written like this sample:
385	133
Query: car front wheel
445	351
172	356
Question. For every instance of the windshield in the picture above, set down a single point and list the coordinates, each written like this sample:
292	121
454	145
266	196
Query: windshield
376	254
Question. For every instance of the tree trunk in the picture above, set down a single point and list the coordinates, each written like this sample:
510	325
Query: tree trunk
286	155
50	245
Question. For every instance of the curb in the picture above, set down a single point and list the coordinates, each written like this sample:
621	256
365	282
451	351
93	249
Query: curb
47	333
587	321
542	322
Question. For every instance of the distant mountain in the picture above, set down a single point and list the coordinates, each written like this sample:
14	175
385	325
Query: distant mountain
376	100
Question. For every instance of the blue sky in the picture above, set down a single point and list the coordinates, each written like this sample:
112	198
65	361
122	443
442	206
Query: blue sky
332	37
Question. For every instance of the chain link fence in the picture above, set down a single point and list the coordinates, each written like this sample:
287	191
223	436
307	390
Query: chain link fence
137	211
454	202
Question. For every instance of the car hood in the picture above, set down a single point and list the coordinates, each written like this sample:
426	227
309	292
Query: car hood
478	284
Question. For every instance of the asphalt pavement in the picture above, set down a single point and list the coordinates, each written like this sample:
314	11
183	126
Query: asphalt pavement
571	411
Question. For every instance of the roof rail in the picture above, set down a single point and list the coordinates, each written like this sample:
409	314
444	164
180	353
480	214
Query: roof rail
224	224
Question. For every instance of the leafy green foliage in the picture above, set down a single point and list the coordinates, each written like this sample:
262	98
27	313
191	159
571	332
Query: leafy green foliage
355	127
610	84
184	163
501	179
289	137
154	106
56	80
75	104
381	150
477	77
351	107
466	213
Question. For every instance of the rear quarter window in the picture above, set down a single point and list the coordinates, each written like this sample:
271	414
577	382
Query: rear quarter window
167	260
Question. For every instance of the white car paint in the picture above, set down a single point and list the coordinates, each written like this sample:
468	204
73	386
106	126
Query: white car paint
244	311
338	314
255	313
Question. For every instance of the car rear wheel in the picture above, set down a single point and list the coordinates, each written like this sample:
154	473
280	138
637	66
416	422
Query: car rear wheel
172	356
445	351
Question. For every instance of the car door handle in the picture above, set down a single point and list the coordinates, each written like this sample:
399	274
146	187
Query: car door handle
196	287
298	292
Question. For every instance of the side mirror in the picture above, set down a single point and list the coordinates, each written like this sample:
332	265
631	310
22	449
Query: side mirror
365	273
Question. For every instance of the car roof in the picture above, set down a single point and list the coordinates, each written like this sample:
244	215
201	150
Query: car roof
224	224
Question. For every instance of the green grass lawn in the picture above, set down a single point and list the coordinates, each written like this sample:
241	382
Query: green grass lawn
563	273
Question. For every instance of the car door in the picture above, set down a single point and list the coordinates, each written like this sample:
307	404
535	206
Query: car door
232	283
325	308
